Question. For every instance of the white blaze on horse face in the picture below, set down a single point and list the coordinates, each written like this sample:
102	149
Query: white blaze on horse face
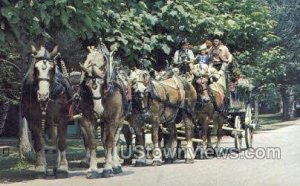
95	87
42	52
43	68
139	79
94	58
139	87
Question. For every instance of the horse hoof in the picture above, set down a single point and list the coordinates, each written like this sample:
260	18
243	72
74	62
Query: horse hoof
127	162
117	170
60	173
107	173
41	172
218	152
140	164
189	161
156	163
41	175
84	164
169	161
92	175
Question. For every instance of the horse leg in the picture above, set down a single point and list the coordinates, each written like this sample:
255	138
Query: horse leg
61	171
128	138
109	136
91	145
140	148
208	134
53	134
189	130
85	162
38	145
157	154
139	143
219	133
171	145
204	135
116	165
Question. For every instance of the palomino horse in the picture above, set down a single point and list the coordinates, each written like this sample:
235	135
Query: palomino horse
162	100
102	100
45	106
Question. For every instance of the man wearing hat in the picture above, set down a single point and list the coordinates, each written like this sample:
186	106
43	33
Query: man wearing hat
184	54
220	57
219	52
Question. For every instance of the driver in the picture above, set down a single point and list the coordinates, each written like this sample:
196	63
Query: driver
184	55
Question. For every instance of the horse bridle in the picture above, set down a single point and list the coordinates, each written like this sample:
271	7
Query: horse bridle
45	59
94	78
142	106
44	105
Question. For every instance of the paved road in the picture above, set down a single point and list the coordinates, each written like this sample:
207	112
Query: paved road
224	171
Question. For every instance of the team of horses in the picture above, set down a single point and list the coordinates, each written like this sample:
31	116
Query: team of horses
108	99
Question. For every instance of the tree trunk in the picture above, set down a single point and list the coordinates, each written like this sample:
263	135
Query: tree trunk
256	111
288	99
281	106
25	147
4	107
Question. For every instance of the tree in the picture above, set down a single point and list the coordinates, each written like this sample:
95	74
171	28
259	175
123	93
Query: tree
287	14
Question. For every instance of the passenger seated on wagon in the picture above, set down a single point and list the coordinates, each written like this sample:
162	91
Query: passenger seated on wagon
202	57
183	57
220	57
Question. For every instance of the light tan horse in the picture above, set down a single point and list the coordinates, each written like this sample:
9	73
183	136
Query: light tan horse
163	99
102	101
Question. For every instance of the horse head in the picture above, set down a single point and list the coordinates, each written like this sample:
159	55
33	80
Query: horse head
44	71
201	80
139	81
93	77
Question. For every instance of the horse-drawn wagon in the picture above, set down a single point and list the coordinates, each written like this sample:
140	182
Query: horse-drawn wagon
236	112
239	116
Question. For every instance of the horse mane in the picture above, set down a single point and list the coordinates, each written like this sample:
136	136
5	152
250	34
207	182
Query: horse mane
28	80
86	99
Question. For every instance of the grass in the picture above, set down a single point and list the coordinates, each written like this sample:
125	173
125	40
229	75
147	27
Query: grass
13	169
269	119
273	122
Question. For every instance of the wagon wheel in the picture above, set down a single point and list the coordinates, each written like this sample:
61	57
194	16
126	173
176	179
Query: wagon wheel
248	128
237	135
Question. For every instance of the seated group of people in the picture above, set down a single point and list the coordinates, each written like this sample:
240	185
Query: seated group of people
212	59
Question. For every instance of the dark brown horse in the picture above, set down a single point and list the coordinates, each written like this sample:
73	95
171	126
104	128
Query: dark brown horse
204	109
102	101
45	106
162	100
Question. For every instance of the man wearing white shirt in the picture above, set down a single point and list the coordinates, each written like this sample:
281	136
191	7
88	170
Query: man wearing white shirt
184	56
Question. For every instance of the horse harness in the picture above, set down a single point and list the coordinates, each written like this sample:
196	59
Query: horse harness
153	95
109	90
44	105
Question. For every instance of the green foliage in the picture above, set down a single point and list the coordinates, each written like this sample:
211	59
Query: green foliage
141	28
153	28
